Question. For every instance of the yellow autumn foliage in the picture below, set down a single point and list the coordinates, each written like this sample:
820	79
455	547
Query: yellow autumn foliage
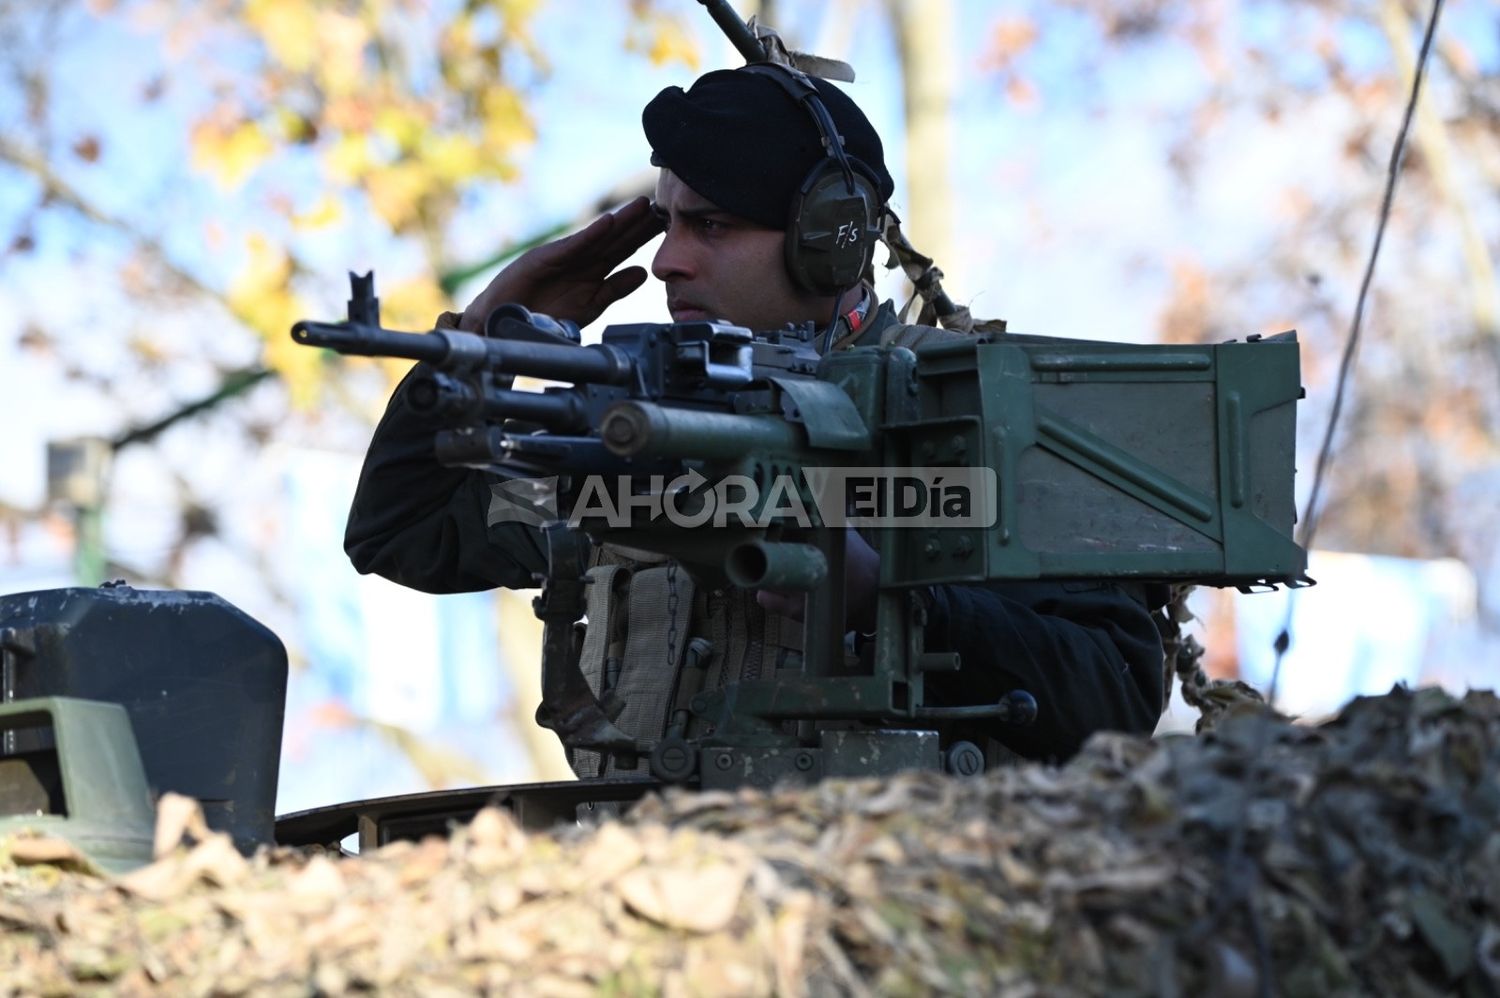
288	29
412	304
396	191
505	120
670	42
515	18
260	296
661	37
342	39
229	153
294	128
410	130
326	212
405	125
454	158
348	158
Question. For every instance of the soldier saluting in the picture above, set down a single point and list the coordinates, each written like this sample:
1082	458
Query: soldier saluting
759	167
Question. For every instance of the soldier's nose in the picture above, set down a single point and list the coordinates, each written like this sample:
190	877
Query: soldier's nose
672	262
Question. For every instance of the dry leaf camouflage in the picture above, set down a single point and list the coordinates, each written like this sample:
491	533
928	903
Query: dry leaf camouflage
1358	857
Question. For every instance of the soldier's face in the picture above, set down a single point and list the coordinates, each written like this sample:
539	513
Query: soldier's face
720	266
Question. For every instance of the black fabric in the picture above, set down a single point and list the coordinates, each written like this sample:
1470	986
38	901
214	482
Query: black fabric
1088	652
422	525
741	141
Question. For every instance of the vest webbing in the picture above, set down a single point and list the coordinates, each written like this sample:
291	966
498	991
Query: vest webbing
624	655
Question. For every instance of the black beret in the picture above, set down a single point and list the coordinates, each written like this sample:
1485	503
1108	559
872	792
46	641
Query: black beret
740	140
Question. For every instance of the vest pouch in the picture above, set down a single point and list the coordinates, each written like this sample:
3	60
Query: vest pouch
645	683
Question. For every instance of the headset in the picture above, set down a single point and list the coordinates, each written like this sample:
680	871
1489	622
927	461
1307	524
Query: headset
832	228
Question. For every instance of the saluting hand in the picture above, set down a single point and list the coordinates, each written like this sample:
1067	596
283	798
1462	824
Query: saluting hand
571	278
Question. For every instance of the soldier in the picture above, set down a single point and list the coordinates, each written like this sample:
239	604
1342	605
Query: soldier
735	151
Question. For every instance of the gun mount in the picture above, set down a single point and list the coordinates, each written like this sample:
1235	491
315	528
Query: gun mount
743	456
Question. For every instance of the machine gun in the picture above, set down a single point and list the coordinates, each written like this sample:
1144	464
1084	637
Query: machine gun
969	460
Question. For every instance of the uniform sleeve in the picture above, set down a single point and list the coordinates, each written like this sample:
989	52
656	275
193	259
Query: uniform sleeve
1090	654
423	525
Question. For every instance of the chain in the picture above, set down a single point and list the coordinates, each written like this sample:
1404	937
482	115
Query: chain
671	615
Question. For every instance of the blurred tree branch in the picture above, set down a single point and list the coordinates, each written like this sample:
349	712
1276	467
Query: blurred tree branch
56	190
1437	149
925	40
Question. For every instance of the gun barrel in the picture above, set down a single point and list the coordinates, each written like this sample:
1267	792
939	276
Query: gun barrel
482	446
435	393
450	349
471	446
738	33
596	364
776	565
447	396
371	341
562	411
645	429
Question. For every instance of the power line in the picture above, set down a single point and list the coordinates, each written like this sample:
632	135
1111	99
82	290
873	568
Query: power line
1313	513
1239	875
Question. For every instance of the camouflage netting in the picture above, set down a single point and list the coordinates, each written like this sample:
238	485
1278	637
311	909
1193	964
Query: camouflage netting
1359	857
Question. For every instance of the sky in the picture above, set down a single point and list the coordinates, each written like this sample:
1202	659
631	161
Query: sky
1070	224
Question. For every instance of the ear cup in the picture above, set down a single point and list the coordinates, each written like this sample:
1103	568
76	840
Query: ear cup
830	237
